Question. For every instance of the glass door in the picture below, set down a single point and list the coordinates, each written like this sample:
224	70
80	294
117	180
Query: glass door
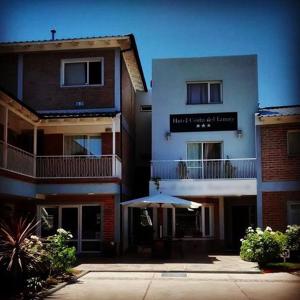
194	157
69	222
91	228
212	151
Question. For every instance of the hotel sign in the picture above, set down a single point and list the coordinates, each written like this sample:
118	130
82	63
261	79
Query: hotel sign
204	122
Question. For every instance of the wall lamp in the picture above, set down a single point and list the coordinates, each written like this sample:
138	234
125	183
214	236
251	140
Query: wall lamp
168	135
239	133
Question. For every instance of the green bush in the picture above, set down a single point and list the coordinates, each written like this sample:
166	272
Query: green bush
60	256
293	237
262	246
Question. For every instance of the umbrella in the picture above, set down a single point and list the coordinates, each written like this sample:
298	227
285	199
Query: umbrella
161	200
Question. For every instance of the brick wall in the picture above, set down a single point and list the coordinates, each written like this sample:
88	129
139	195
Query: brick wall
276	164
107	203
42	89
275	208
9	73
107	143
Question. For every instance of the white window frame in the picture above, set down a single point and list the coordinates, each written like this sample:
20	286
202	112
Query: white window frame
205	142
88	142
208	91
287	142
81	60
79	239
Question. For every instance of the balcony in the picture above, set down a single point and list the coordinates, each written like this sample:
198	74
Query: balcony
208	177
204	169
22	162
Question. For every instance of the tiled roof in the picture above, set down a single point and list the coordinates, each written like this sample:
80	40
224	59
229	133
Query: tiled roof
279	111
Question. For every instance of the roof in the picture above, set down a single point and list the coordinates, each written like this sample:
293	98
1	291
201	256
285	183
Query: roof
78	114
126	43
279	111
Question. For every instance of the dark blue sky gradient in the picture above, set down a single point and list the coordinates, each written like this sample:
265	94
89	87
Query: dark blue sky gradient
268	28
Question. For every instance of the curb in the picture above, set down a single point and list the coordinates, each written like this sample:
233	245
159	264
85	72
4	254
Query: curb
59	286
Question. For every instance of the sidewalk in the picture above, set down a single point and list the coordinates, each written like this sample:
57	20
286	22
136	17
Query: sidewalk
204	264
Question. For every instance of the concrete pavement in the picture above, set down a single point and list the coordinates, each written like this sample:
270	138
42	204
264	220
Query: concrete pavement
172	285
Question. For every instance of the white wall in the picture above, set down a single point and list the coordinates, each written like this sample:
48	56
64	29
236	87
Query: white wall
240	94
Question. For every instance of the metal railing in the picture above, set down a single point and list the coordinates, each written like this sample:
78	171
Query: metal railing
77	166
71	166
240	168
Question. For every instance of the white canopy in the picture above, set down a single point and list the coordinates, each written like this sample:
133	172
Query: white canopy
161	200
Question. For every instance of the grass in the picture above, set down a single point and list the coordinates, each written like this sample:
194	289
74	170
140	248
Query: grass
282	266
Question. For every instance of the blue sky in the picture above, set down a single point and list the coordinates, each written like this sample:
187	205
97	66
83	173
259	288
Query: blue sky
268	28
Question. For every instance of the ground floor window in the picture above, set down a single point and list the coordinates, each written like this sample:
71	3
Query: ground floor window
83	221
294	213
194	222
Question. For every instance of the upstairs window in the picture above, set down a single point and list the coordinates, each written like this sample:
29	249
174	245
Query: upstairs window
82	72
293	142
82	145
204	92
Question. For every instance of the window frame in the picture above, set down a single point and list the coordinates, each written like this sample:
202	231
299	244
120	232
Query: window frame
289	210
202	147
208	82
287	143
86	60
88	143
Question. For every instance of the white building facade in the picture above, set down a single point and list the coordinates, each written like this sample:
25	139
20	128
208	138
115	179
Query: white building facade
203	145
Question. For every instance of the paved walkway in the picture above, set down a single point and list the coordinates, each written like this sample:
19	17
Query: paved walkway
204	264
185	286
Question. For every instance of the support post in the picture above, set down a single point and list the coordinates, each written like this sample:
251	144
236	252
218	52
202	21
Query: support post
5	137
34	149
221	218
113	147
125	227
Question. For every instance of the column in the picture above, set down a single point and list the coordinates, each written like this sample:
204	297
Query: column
221	217
113	147
5	136
34	149
125	227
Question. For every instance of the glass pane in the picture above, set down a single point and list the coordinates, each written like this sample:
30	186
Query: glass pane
295	214
207	221
212	150
95	145
75	145
194	151
188	222
75	73
69	220
49	221
294	143
95	72
197	93
91	246
91	222
215	93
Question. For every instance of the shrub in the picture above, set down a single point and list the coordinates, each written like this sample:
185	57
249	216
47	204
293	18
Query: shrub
60	256
293	237
262	246
21	254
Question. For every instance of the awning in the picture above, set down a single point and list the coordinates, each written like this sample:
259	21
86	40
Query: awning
161	200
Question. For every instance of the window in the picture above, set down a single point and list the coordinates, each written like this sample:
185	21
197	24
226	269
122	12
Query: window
82	72
82	145
146	108
194	222
204	92
294	213
293	142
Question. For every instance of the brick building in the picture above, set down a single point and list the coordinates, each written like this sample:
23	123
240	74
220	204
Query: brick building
67	141
278	166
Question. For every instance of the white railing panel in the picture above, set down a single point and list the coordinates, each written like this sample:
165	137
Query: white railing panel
19	161
204	169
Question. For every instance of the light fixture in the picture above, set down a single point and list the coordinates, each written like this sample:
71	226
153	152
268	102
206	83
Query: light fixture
168	135
239	133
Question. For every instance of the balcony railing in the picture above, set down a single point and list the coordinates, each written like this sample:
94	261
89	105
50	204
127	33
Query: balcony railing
242	168
80	166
